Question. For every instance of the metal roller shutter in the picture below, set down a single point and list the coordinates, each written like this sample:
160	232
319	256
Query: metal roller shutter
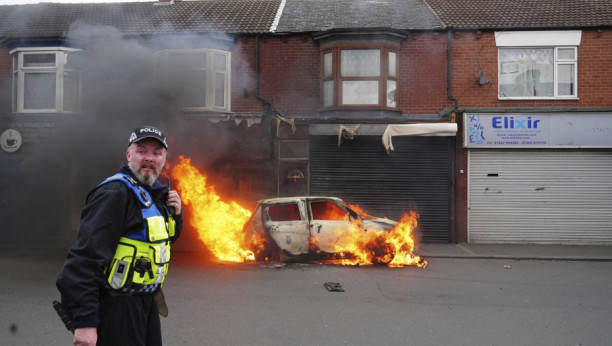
540	196
416	176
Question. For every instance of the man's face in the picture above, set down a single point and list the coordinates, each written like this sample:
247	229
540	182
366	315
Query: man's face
146	159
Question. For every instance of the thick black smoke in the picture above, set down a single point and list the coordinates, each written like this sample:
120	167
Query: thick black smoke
43	194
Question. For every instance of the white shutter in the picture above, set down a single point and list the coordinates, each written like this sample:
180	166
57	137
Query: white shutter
540	196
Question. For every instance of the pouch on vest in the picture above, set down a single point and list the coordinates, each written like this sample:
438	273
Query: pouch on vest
171	225
156	226
120	268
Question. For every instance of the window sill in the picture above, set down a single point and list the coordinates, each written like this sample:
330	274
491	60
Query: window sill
539	98
361	114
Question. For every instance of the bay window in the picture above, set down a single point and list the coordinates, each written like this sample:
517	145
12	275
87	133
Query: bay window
359	77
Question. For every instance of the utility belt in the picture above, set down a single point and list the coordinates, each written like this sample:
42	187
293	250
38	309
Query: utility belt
156	294
136	290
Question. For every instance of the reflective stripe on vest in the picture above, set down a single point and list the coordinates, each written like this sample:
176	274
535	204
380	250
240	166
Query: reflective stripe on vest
141	258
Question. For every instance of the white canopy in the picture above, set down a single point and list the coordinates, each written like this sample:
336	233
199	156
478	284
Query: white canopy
436	129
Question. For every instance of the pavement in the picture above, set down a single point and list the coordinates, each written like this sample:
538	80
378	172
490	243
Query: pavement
516	251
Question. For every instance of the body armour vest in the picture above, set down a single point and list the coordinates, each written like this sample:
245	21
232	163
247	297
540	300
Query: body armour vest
141	259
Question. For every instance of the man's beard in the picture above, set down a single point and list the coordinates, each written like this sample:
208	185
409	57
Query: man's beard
141	178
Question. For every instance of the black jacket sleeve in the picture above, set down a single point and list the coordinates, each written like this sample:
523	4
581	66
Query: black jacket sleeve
104	218
160	195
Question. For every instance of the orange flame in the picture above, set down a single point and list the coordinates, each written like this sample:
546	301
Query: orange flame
220	227
394	248
219	224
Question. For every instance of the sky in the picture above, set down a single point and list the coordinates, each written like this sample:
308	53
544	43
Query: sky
20	2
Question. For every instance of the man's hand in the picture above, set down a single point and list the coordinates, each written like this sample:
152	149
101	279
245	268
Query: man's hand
174	201
85	336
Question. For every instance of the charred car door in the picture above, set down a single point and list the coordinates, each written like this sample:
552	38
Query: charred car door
330	223
287	225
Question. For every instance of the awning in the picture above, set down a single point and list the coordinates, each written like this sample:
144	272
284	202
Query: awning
437	129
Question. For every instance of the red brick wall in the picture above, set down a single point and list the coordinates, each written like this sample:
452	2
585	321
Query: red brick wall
470	54
290	74
6	68
243	76
423	74
595	68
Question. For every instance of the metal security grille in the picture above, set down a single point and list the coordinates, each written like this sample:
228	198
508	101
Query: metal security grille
540	196
415	176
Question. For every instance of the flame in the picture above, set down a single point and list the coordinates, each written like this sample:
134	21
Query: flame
394	248
219	223
220	227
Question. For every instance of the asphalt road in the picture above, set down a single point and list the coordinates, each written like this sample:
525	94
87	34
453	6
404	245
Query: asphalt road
450	302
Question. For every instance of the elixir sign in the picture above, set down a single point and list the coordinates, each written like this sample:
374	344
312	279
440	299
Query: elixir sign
538	130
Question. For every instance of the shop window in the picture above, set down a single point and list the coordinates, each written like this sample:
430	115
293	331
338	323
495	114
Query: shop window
198	78
43	81
359	77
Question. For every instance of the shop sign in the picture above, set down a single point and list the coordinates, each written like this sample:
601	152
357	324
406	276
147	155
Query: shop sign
537	130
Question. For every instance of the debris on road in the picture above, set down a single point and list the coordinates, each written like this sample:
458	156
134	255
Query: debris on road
333	287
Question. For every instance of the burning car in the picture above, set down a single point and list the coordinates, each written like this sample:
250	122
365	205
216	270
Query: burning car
313	228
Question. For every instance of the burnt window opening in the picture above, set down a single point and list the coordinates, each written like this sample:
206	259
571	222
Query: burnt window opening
326	210
284	212
44	80
199	79
359	76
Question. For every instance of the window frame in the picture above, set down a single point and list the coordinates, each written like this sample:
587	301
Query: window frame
555	40
338	80
162	71
555	70
59	69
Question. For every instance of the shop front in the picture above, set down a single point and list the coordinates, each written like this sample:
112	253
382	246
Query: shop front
539	178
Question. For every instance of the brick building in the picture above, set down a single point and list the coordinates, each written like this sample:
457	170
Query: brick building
369	101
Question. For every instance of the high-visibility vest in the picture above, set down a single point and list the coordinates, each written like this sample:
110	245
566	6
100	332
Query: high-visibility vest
141	259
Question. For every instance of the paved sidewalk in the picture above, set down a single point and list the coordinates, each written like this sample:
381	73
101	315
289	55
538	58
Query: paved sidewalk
527	252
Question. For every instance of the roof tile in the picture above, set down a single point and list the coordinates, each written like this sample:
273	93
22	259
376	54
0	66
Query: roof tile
322	15
225	16
504	14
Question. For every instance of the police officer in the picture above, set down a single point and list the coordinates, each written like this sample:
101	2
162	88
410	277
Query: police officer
114	272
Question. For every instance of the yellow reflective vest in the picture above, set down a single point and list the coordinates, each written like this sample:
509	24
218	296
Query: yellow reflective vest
141	259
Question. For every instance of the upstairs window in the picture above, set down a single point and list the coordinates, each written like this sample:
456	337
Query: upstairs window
359	77
199	79
43	81
544	66
537	72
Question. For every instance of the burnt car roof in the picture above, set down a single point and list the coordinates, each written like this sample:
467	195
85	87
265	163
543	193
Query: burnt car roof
290	199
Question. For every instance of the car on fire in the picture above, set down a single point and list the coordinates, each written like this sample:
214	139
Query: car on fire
305	228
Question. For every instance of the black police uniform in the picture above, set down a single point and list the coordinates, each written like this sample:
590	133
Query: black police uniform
112	210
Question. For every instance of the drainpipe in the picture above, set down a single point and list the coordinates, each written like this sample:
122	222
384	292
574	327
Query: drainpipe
457	137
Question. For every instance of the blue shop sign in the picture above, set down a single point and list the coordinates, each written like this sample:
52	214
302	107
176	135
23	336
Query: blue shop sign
537	130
